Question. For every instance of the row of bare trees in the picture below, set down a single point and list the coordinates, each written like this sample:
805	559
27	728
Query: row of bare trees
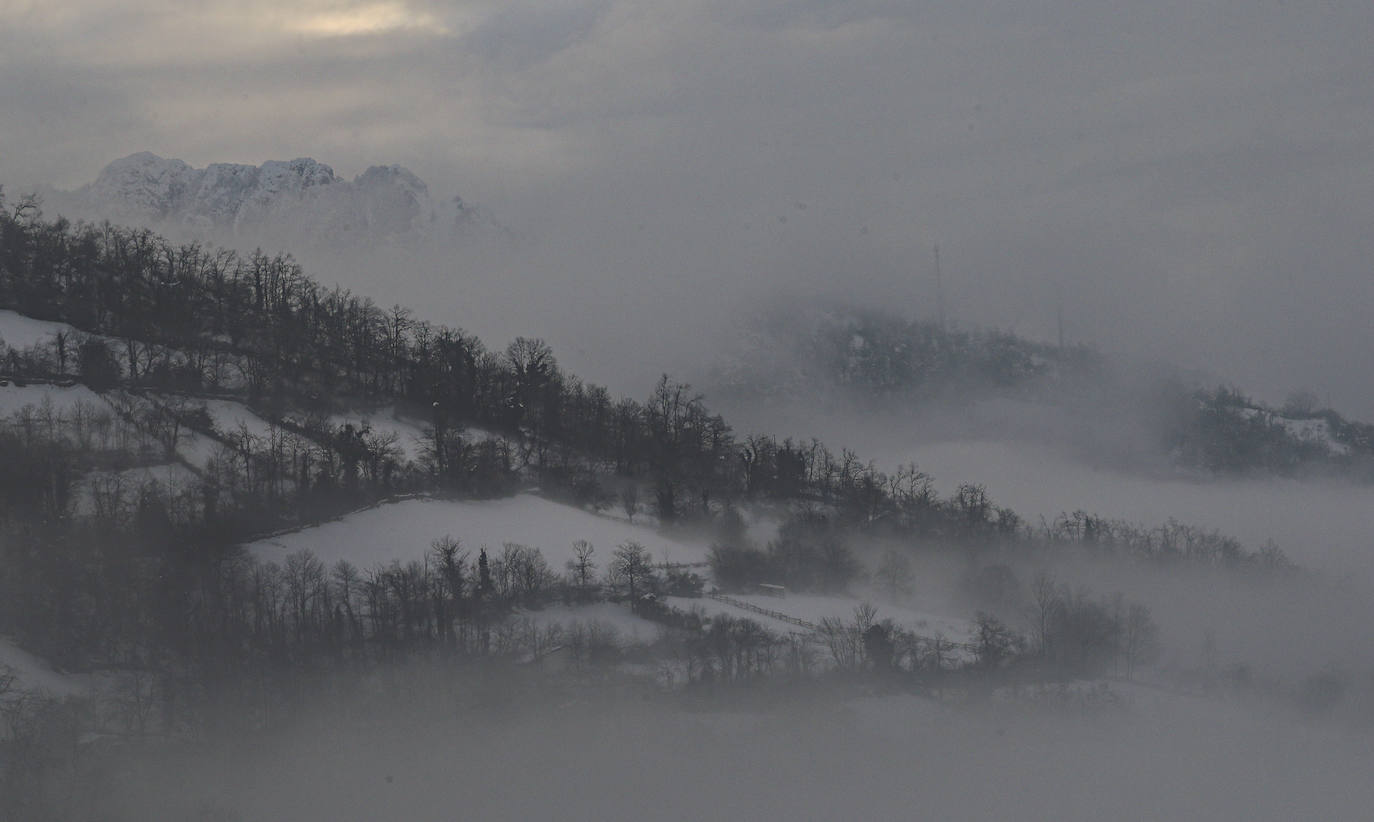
204	318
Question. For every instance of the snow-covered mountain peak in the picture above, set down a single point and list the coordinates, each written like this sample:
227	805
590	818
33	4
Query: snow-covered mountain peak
392	175
144	184
295	176
301	200
394	199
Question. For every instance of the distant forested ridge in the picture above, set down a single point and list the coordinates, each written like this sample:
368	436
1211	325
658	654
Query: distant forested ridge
877	356
859	360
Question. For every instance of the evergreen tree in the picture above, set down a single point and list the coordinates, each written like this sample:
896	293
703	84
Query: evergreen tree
484	584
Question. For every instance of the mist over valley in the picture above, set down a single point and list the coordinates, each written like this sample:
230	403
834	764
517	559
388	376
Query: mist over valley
770	410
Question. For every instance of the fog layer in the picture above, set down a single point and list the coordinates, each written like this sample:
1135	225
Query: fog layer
1142	755
1189	178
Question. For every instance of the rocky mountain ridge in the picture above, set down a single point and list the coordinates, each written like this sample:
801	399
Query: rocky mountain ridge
300	198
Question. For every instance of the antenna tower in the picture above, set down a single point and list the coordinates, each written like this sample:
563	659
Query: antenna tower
939	289
1059	312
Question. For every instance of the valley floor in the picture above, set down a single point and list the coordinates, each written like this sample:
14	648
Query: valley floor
578	756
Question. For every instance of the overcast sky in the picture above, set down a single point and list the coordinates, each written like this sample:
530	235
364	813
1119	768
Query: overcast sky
1195	177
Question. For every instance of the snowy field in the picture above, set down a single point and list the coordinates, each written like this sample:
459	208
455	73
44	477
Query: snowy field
14	399
232	417
410	435
815	607
404	530
19	332
197	449
31	674
1314	430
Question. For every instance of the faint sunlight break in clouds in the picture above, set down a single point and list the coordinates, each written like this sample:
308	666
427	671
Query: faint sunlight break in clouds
368	18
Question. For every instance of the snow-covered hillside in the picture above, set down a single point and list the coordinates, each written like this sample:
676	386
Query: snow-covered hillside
814	608
1314	430
20	332
61	399
25	673
232	418
404	530
408	435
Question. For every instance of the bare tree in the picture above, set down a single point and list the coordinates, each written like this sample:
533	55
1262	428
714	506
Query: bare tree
895	574
936	653
632	566
304	576
451	561
347	584
109	498
844	642
995	643
582	567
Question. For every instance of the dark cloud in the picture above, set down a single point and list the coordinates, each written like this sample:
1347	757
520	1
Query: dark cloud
523	34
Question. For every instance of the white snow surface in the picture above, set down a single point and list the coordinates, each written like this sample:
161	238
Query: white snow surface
31	674
198	449
1309	429
303	195
410	435
230	417
1314	430
815	607
404	530
19	332
14	398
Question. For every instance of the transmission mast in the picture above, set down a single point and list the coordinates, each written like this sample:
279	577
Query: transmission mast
939	289
1059	312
